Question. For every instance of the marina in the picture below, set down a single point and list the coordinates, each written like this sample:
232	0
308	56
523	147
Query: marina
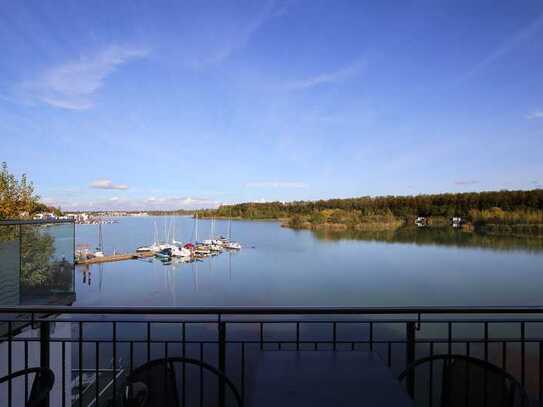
164	250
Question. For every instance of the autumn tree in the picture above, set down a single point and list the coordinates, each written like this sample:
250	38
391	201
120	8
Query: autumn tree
16	195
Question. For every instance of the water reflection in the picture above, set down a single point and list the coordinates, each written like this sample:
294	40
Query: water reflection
438	236
146	282
36	263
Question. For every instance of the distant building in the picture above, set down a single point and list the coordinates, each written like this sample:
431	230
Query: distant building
78	217
45	216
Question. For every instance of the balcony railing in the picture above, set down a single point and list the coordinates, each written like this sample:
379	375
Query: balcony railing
109	343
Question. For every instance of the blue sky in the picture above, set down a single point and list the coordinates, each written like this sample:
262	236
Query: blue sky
128	105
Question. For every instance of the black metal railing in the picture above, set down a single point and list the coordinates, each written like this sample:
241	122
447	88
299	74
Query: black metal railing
111	342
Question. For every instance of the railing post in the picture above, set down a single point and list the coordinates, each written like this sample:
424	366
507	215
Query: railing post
410	356
44	352
222	360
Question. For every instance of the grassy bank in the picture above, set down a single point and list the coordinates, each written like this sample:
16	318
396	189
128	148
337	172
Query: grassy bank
340	220
519	222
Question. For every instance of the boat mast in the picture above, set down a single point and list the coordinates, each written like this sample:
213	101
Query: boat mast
212	228
196	228
230	225
100	237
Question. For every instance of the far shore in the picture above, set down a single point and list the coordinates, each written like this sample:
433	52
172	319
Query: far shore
520	230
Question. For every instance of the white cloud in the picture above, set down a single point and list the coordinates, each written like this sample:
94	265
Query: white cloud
330	77
535	115
276	184
73	85
106	184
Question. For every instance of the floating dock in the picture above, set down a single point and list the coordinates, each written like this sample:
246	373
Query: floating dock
115	257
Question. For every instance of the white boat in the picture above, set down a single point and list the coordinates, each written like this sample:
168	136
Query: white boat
202	250
228	243
178	248
144	249
215	245
180	251
232	246
213	242
156	246
99	252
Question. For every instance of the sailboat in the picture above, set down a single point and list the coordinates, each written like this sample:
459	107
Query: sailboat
200	250
213	244
155	247
228	243
177	248
99	252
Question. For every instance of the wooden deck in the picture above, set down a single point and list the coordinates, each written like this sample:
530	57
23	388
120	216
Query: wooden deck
116	257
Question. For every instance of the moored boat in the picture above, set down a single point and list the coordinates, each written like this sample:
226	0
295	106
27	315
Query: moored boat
232	246
164	254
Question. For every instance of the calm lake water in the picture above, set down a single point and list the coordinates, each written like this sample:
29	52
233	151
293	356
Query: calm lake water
280	266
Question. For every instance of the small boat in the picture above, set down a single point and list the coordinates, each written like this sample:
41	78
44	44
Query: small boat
180	251
202	250
144	249
214	245
215	248
227	242
99	252
164	254
232	246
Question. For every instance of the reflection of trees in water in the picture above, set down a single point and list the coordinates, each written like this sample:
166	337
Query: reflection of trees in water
440	236
40	271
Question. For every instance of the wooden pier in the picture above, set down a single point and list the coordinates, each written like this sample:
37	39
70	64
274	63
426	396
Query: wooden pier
116	257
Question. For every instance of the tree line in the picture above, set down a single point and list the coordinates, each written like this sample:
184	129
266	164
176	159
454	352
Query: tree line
499	206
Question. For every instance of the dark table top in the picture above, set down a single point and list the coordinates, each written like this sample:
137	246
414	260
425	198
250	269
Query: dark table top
323	378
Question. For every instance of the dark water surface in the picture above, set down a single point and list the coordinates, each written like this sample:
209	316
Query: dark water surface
280	266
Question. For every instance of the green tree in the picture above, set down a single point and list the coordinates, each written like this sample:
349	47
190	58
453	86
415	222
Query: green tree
16	195
295	222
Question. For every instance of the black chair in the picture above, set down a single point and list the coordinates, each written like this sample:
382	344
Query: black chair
154	384
466	380
41	386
